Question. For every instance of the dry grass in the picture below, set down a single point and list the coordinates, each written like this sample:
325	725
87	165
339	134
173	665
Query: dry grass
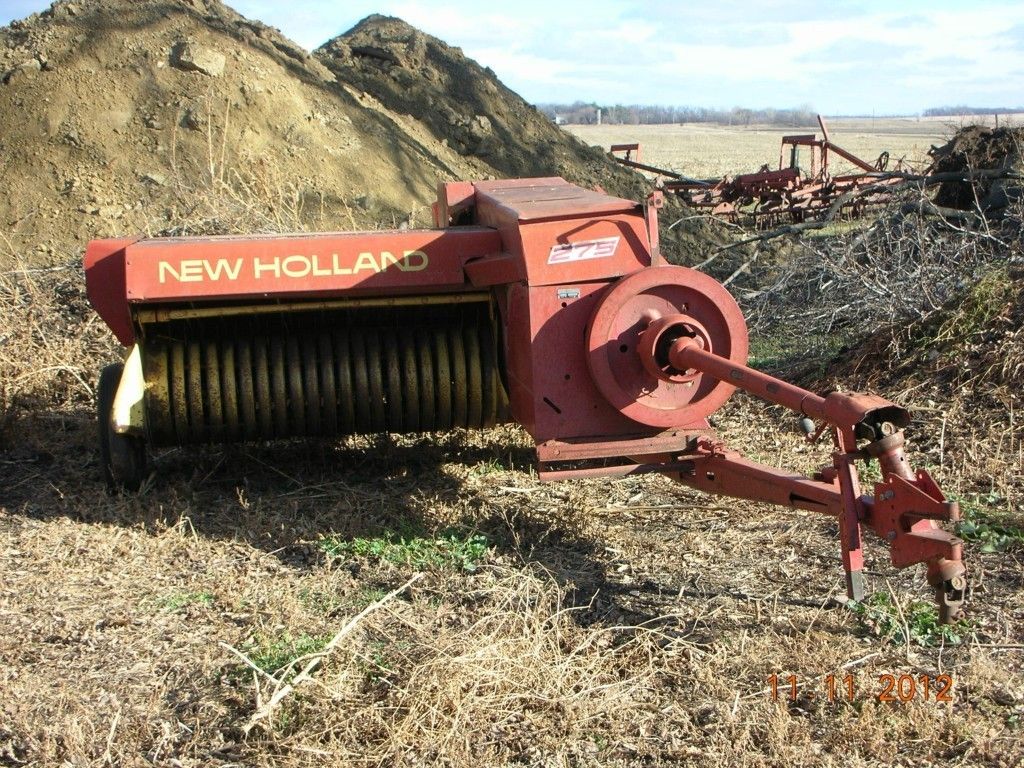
607	622
610	622
49	342
473	674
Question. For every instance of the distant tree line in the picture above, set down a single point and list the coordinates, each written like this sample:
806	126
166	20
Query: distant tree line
586	113
962	110
581	113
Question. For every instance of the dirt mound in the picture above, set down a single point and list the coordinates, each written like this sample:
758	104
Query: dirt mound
122	117
464	105
173	116
979	148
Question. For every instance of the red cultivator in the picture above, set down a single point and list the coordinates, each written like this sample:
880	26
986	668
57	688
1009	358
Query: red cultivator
770	196
532	300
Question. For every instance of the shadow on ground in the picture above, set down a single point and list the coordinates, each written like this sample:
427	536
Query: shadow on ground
285	498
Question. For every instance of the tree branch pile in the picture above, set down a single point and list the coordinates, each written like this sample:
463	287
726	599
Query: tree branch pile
906	266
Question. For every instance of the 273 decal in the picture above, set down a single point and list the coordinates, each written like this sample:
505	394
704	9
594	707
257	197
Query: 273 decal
587	249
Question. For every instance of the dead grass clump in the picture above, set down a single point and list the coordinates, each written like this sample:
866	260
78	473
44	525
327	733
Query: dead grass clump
51	344
502	674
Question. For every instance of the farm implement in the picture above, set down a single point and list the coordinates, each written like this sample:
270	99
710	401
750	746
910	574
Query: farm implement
531	300
770	196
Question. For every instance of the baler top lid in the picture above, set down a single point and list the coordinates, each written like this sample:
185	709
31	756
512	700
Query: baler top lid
547	198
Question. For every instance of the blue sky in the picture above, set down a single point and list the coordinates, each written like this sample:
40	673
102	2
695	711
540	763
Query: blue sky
857	56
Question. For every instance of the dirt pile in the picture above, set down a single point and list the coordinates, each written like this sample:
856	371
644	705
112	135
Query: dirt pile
977	148
464	106
121	117
176	116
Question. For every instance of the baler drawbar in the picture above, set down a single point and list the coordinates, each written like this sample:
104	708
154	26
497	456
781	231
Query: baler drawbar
532	300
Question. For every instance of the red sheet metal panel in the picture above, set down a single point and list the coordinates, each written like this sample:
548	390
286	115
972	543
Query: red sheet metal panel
205	269
534	199
127	271
558	232
551	390
105	285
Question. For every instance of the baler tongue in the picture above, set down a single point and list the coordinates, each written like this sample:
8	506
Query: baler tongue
906	505
532	300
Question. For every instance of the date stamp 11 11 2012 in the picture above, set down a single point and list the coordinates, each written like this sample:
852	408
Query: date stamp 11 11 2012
889	688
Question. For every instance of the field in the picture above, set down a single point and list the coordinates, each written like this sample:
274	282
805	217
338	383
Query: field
708	151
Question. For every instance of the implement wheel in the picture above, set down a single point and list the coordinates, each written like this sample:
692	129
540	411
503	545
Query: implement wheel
122	457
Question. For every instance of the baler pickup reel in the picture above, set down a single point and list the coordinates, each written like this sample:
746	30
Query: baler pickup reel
531	300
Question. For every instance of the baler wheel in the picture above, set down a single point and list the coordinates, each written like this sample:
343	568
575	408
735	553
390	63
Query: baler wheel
122	457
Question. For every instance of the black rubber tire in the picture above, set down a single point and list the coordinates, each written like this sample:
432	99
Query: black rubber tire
123	458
